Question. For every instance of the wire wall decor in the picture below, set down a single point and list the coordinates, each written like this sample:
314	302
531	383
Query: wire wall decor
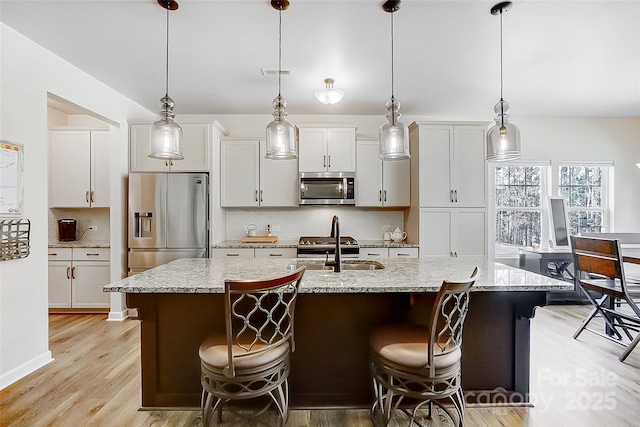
14	242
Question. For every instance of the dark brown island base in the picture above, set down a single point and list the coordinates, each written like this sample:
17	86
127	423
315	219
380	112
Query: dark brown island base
180	303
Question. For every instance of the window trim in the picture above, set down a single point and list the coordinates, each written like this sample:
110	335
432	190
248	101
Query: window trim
545	191
607	189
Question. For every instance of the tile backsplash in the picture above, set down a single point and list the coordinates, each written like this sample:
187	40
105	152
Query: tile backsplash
96	217
314	221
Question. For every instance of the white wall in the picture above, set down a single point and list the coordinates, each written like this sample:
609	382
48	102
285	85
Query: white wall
27	73
617	140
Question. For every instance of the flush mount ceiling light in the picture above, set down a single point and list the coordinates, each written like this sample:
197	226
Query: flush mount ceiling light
329	95
166	135
503	139
282	135
393	136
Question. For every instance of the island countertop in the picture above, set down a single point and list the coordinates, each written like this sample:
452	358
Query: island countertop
415	275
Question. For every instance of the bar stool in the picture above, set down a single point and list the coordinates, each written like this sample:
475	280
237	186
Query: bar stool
252	358
421	363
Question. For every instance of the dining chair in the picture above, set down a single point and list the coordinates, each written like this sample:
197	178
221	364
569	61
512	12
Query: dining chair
418	363
252	358
599	267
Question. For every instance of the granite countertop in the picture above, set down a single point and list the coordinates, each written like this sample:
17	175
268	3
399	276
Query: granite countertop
81	244
289	243
202	275
386	244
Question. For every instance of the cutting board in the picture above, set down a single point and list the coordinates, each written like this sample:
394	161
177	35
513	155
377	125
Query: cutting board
259	239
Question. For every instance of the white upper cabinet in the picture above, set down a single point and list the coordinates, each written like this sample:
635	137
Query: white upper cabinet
452	165
327	149
380	183
195	148
79	168
247	179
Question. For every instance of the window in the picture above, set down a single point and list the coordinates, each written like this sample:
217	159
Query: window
519	196
585	188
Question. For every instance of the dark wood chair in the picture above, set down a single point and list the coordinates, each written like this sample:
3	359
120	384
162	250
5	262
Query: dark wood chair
421	364
252	359
599	268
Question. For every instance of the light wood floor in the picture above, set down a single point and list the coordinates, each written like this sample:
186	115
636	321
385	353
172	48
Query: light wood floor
95	381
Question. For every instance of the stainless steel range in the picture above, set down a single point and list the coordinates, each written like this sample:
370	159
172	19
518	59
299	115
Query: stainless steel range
319	247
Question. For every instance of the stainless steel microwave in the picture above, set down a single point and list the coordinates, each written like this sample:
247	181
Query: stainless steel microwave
327	188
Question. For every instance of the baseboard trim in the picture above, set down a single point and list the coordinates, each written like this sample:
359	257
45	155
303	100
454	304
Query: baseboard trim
8	378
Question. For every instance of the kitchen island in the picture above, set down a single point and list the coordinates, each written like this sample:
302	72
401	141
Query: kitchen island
181	302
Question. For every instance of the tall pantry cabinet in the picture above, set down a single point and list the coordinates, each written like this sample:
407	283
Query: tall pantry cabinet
448	213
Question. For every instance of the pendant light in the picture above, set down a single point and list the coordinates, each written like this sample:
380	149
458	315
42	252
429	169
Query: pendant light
166	135
329	95
503	139
393	136
282	135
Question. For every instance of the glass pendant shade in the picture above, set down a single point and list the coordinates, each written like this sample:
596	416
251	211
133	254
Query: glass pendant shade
282	135
393	136
503	139
166	135
329	95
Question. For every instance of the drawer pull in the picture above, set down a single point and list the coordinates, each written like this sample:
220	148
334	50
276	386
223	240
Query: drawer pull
93	254
400	254
275	254
233	254
368	254
53	254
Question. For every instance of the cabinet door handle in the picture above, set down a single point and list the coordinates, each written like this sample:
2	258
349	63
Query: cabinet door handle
86	196
166	163
91	197
329	165
233	254
171	163
68	272
380	195
261	196
256	196
73	272
455	192
451	254
275	254
451	196
385	195
324	161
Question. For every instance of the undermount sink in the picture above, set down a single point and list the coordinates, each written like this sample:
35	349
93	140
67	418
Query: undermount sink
351	264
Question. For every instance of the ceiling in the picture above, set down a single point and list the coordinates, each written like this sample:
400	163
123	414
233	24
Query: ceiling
561	58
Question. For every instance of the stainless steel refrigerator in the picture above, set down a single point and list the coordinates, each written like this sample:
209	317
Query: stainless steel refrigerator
168	218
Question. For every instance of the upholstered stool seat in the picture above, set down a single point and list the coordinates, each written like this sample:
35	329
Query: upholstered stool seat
413	366
252	358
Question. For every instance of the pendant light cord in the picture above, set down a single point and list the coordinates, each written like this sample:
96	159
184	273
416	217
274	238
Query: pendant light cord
166	82
279	50
393	98
501	82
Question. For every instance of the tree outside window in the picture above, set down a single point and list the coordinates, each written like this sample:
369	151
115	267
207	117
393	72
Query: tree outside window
584	189
518	197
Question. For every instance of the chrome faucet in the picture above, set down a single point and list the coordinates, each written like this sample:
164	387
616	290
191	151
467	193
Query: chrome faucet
335	232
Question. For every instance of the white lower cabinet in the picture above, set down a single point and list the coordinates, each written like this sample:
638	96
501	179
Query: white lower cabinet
453	232
403	252
76	277
276	252
396	252
254	253
374	253
232	253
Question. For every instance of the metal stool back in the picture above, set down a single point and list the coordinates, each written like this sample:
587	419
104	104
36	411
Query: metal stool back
252	358
422	363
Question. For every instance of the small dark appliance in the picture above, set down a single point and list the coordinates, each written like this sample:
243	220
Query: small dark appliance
67	229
